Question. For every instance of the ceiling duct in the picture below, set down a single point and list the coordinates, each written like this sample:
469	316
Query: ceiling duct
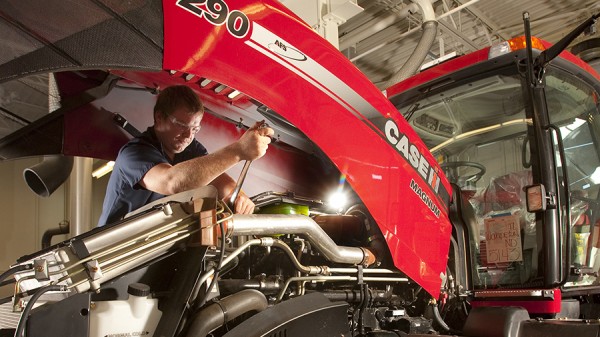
374	26
589	51
412	65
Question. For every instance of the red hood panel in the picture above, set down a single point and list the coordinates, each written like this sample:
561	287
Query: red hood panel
265	51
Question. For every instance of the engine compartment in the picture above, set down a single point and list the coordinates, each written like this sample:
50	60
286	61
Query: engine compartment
168	270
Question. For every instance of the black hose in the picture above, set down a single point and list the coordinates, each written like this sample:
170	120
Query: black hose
364	292
25	315
230	286
438	318
15	269
7	282
230	307
217	268
5	299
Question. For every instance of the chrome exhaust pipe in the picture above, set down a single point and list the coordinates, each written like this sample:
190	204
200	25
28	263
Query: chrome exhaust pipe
274	224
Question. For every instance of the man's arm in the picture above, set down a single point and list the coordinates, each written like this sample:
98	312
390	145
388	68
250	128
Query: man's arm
166	179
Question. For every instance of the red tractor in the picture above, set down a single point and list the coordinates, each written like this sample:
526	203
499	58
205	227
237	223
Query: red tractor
411	253
514	127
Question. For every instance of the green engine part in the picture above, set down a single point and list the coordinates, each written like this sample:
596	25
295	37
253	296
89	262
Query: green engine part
284	208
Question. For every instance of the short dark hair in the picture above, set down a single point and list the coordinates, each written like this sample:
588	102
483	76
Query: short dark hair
175	97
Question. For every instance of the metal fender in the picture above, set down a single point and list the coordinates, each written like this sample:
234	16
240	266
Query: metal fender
264	50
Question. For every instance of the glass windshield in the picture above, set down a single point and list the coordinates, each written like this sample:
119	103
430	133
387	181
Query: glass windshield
573	107
478	133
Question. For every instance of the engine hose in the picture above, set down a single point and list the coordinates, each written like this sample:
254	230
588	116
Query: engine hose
14	270
7	282
437	317
283	246
217	269
264	285
6	300
226	261
19	332
231	286
355	296
364	302
270	224
230	307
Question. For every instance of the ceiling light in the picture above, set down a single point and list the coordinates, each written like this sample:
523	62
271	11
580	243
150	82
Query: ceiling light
205	82
233	94
103	170
220	88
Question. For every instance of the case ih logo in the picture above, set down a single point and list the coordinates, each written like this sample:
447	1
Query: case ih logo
217	13
417	160
412	154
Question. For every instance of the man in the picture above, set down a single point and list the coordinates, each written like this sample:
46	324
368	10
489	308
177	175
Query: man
167	159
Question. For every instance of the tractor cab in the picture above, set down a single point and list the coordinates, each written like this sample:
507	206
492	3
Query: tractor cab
525	171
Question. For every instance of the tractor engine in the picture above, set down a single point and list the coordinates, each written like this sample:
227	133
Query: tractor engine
186	266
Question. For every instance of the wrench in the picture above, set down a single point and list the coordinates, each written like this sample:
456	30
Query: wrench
242	177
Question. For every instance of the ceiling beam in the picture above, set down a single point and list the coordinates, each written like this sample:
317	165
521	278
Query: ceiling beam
492	26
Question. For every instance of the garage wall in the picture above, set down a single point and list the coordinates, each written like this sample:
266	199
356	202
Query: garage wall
25	216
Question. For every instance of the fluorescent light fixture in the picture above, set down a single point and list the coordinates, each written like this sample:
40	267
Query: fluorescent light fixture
480	131
233	94
205	82
439	60
220	88
103	170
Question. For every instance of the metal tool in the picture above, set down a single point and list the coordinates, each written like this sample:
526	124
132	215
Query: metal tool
242	177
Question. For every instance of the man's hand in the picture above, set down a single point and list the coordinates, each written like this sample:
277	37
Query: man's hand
243	204
255	141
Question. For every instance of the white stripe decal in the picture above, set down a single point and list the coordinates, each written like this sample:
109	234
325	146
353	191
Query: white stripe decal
295	61
267	43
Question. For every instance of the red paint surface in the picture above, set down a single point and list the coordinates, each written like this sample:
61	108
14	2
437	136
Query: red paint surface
418	240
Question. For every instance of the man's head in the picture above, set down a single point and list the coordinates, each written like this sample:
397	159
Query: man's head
177	115
175	97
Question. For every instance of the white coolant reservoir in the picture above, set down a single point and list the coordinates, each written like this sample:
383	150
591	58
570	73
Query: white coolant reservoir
136	316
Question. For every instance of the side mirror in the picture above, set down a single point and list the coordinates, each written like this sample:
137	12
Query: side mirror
536	198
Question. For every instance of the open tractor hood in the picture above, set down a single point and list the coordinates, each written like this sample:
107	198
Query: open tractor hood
315	99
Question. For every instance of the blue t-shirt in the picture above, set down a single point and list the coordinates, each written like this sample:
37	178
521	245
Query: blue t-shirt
123	192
